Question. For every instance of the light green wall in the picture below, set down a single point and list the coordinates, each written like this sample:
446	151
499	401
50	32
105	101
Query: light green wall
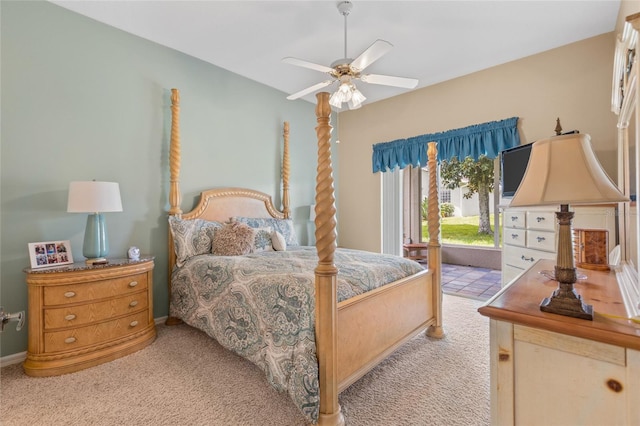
82	101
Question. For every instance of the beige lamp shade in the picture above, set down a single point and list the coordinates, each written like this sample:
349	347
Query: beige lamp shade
94	197
564	170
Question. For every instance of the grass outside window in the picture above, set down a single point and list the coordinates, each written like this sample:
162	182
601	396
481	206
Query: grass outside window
462	231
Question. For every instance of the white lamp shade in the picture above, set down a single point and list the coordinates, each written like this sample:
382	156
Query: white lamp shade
564	170
94	197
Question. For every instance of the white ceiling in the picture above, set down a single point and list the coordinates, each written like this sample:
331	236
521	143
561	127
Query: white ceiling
434	41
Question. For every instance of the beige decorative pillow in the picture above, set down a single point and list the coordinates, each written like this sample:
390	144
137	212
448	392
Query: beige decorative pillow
278	242
262	241
233	239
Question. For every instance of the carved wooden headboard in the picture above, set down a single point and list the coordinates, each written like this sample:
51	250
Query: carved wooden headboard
220	204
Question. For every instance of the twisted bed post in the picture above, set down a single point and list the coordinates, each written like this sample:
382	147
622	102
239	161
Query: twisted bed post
174	183
286	169
434	254
326	272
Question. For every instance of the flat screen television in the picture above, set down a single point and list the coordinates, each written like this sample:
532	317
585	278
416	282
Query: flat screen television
513	165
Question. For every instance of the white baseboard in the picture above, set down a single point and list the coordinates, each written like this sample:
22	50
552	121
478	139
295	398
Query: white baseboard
13	359
21	356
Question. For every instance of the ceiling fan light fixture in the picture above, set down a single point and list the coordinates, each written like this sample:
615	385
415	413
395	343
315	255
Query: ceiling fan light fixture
346	70
353	105
336	99
357	98
347	93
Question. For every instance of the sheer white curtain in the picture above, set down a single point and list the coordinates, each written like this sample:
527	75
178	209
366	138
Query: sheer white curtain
391	208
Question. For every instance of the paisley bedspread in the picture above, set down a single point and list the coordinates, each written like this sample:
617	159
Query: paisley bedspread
261	306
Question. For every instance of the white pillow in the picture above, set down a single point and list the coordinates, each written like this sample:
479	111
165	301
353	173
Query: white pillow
278	241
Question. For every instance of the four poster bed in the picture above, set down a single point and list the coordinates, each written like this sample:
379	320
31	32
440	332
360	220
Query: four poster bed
314	319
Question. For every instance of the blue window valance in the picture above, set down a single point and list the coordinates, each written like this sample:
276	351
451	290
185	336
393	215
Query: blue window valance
473	141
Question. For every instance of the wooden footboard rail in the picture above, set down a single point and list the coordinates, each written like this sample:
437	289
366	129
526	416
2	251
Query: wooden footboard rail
369	326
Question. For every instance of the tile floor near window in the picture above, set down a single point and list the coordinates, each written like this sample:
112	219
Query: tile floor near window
469	281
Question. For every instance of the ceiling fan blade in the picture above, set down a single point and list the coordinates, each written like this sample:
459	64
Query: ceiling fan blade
309	90
374	52
388	80
306	64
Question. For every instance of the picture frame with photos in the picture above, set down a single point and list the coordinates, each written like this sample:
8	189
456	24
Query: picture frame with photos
49	254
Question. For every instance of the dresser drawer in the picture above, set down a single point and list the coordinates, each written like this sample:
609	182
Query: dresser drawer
75	293
515	237
541	220
77	315
514	219
524	258
101	332
541	240
509	273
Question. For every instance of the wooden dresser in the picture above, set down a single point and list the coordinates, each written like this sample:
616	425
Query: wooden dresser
529	234
81	315
549	369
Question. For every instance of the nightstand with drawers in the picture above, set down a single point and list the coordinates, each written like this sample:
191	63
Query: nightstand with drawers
84	315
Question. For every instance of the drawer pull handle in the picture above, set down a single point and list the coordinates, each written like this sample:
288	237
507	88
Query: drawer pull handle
70	317
539	219
133	323
514	218
133	303
70	294
527	259
70	340
514	236
133	284
540	239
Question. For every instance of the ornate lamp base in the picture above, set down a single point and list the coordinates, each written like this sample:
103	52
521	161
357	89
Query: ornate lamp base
565	301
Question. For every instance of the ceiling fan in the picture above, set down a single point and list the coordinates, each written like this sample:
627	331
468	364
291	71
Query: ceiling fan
346	70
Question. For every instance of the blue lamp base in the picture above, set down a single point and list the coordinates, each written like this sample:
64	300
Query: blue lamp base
95	246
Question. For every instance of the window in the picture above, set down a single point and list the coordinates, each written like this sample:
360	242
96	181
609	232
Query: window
445	195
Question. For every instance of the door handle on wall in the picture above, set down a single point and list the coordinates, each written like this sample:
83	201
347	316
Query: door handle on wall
6	317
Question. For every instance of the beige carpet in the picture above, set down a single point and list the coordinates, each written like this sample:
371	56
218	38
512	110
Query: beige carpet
185	378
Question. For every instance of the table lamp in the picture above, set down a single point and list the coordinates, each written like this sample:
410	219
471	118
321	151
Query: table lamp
563	170
94	198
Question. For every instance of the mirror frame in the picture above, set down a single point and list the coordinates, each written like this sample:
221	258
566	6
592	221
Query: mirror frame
625	102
